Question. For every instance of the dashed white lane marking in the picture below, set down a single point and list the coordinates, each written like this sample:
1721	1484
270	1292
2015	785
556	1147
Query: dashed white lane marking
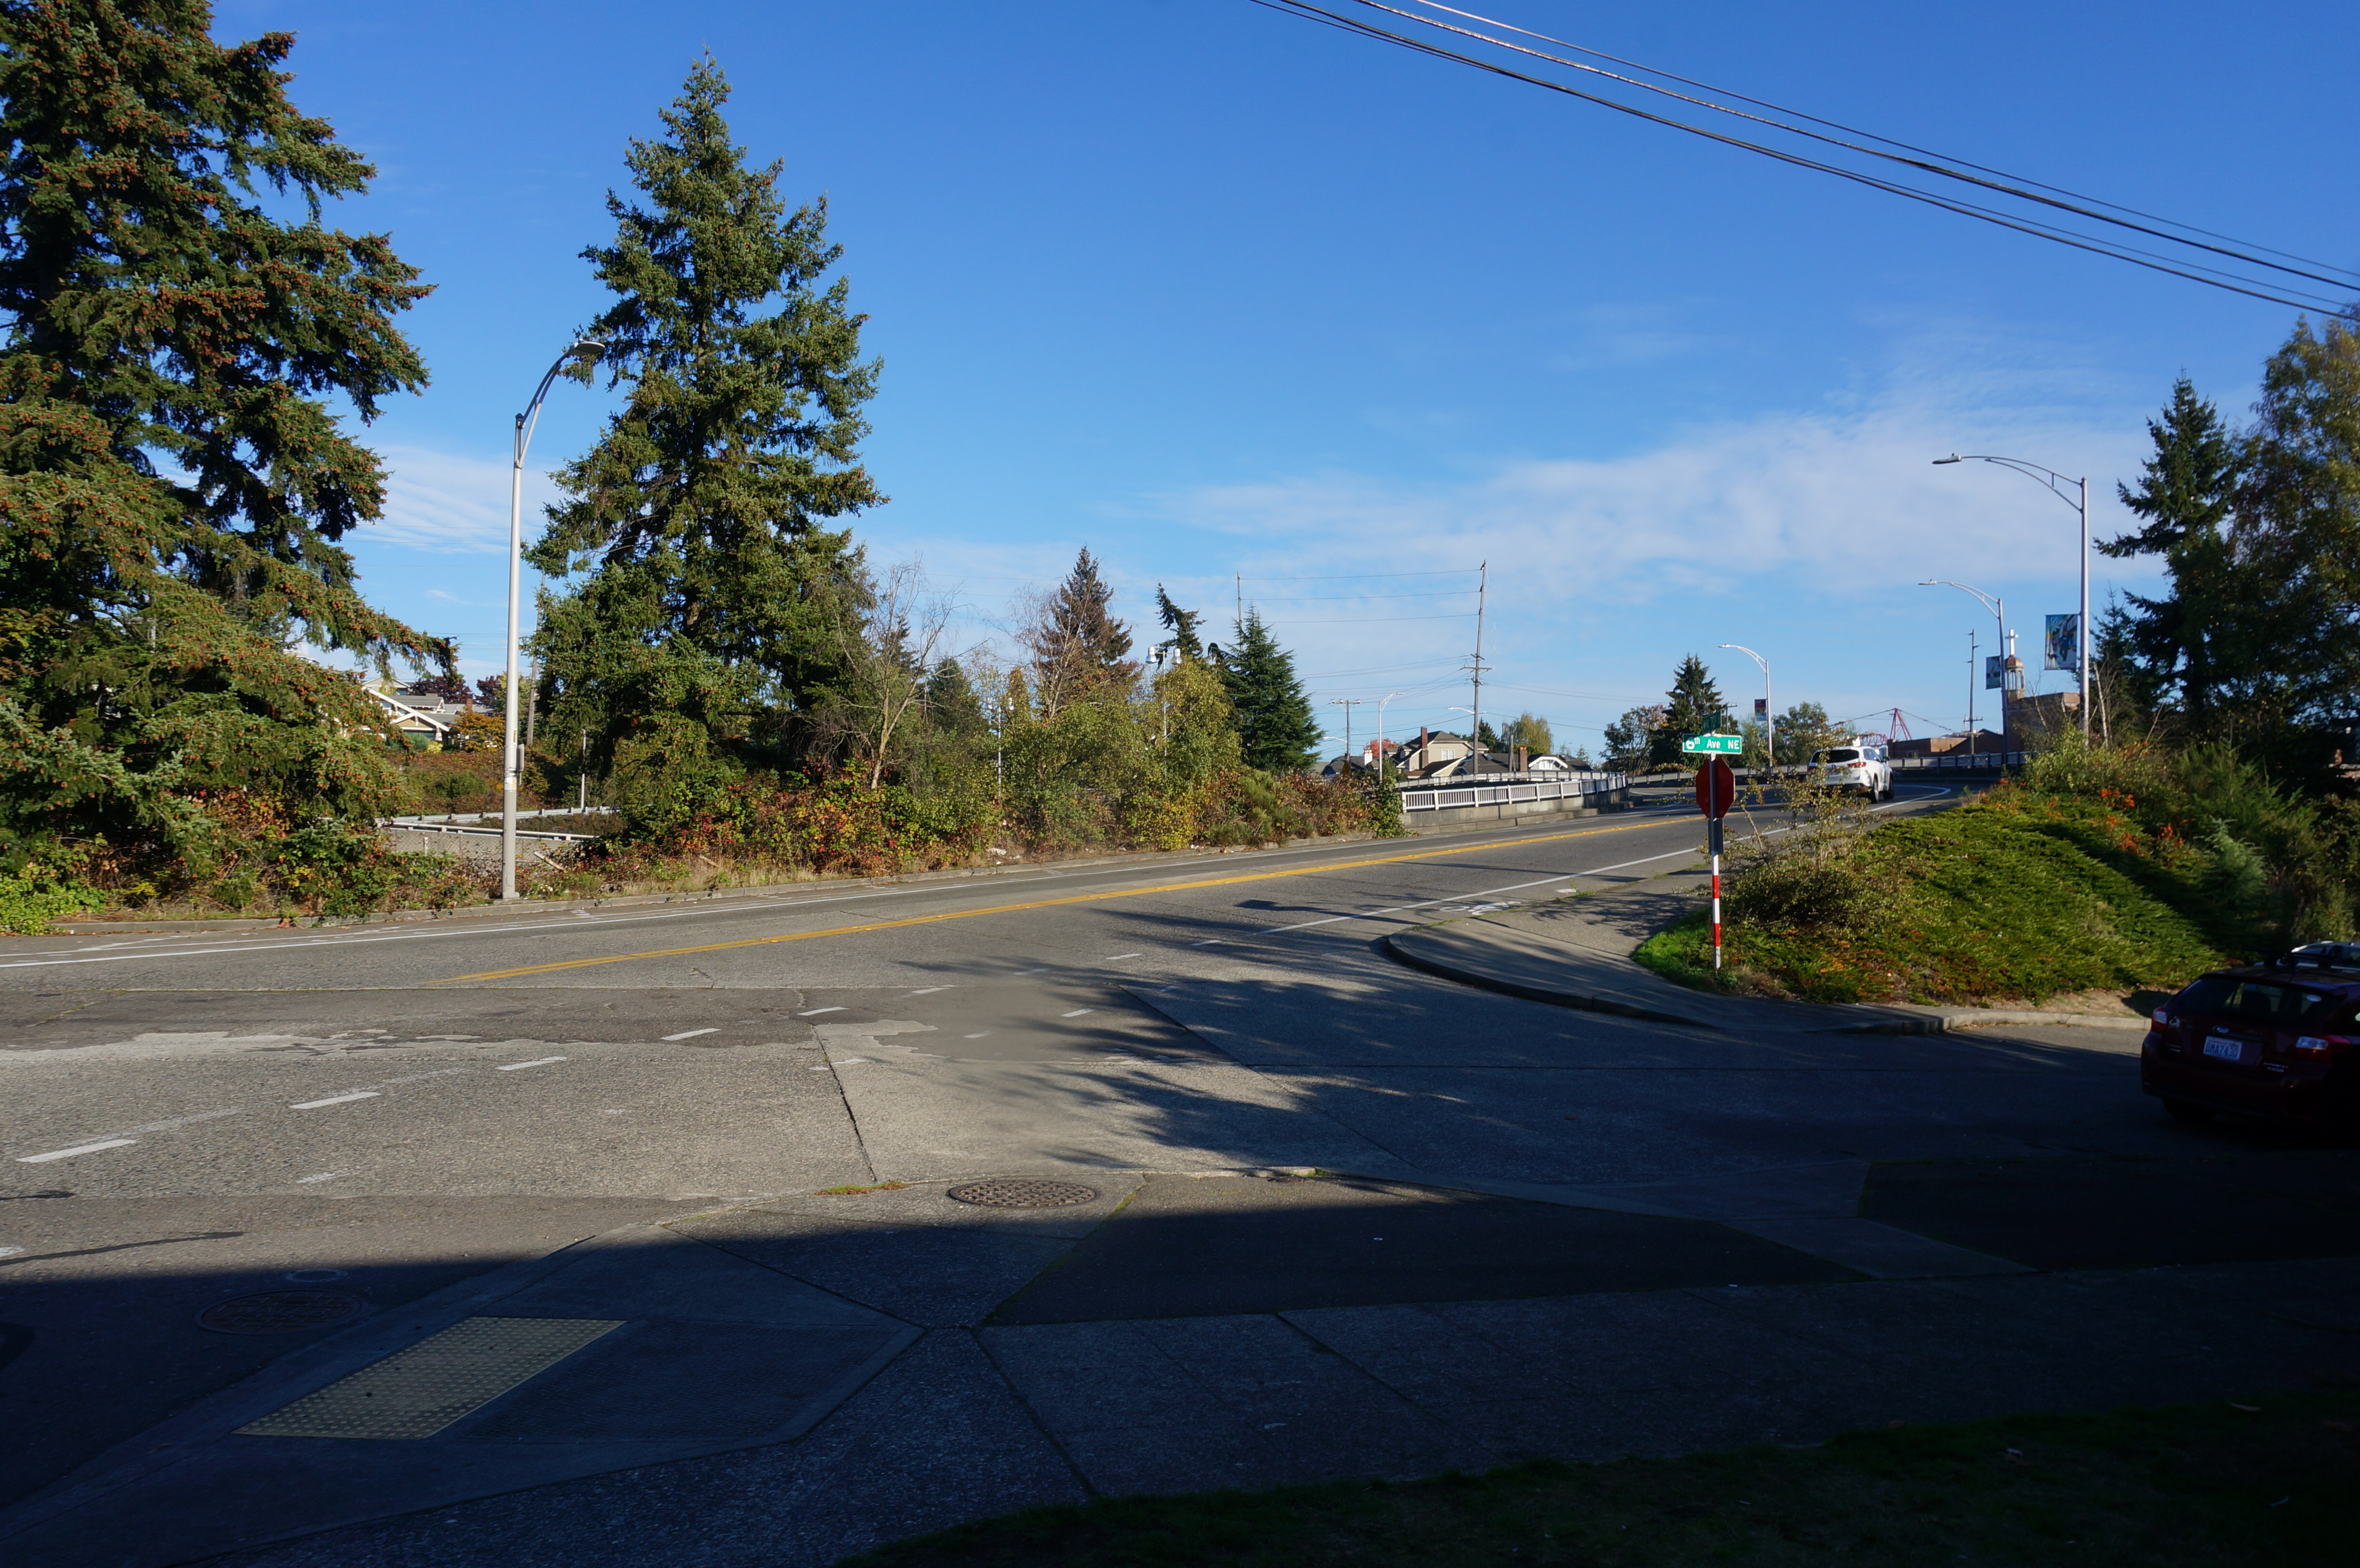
536	1062
812	1014
1214	942
985	1034
690	1034
1078	1012
1118	957
78	1148
323	1176
929	990
334	1100
1041	970
10	1251
848	1060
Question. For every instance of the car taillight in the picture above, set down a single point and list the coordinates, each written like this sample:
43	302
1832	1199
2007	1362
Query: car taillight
2321	1044
2162	1020
1855	765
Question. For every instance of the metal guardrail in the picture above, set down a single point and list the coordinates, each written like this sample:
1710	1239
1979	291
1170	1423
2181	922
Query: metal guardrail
470	822
1446	796
1961	760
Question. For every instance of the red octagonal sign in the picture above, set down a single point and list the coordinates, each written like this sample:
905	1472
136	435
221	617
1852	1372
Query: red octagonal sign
1716	788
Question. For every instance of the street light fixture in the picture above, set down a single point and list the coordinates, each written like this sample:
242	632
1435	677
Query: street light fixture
2055	483
511	759
1380	729
1998	608
1769	718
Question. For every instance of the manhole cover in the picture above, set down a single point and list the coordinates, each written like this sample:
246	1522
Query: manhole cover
281	1312
1025	1195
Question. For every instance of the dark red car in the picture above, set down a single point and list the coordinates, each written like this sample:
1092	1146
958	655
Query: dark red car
2279	1039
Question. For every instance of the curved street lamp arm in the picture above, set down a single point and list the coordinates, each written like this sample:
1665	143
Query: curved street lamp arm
2048	478
1988	601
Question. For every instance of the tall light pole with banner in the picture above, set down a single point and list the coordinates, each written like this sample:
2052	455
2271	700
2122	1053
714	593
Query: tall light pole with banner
1769	723
1998	608
2054	484
512	760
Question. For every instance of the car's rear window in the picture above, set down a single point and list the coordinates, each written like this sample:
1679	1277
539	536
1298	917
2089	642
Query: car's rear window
2260	999
1841	754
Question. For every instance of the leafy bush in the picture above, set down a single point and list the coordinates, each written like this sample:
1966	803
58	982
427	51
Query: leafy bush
27	904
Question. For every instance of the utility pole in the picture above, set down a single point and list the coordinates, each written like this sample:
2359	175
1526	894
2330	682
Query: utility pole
1241	603
1971	674
585	770
1483	583
1348	704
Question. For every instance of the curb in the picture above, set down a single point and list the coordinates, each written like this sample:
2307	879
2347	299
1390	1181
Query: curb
1535	992
1984	1018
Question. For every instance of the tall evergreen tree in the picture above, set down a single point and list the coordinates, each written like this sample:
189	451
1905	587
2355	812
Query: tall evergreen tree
2299	524
2176	646
174	482
1182	623
715	601
1077	648
1692	706
1276	727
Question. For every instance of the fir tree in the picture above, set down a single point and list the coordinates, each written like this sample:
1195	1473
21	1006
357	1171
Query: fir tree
2186	495
1077	648
174	482
1276	727
717	602
1182	623
1691	707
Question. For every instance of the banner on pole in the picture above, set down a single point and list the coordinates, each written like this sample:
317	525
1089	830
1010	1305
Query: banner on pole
2061	648
1995	672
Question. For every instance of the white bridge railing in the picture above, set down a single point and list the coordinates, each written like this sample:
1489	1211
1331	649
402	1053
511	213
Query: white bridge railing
1446	796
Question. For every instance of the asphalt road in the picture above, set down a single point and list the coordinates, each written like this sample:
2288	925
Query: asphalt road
190	1117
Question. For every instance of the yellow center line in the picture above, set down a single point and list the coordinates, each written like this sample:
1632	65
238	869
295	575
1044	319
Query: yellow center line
1041	904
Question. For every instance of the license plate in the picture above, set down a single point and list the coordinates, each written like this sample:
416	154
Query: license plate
2228	1049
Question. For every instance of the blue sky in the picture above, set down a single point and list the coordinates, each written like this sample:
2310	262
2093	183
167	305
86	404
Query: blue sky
1212	290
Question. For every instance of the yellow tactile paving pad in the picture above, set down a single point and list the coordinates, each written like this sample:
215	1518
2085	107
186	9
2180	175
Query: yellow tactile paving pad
419	1392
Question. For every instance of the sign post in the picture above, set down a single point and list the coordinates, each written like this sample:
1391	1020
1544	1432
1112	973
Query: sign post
1716	791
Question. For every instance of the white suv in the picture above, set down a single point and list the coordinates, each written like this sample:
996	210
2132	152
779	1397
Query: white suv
1859	765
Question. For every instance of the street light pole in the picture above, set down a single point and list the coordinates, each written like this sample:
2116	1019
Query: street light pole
1769	717
1380	730
511	759
2055	483
1998	608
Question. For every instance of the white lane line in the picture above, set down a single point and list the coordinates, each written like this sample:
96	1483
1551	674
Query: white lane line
1118	957
812	1014
1215	942
690	1034
519	1066
10	1251
984	1035
848	1060
323	1176
1043	970
78	1148
929	990
1078	1012
334	1100
1488	892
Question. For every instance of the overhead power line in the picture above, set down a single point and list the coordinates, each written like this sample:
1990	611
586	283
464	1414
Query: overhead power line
2173	263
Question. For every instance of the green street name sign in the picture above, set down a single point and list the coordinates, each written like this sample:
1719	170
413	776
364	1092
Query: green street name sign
1713	744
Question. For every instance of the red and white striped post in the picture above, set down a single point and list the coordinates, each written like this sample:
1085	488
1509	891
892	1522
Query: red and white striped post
1716	791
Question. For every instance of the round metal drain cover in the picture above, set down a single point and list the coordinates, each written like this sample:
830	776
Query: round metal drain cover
281	1312
1020	1194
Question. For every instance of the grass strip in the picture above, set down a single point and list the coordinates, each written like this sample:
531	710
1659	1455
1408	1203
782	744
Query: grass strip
2020	896
2268	1480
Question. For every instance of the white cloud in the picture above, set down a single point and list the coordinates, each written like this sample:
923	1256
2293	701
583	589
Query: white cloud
450	504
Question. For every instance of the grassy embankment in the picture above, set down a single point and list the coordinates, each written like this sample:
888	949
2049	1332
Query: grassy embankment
2018	896
2103	874
2264	1483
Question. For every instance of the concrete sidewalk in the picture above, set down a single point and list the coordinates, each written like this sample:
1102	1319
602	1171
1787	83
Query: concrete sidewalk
783	1383
1575	952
